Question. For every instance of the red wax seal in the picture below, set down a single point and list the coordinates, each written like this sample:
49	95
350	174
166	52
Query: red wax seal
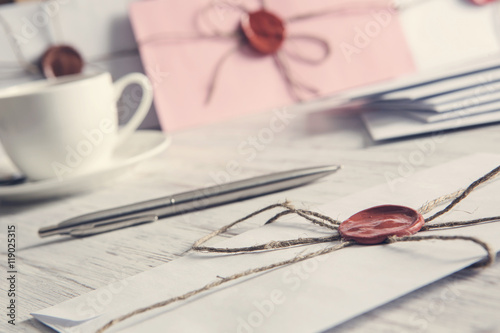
374	225
264	30
61	60
481	2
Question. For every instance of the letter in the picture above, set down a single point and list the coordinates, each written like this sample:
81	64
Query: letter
253	142
51	8
383	17
104	297
298	270
156	75
40	19
12	322
20	40
128	101
310	266
361	40
255	319
392	179
439	137
220	177
418	322
266	136
416	158
372	29
107	126
92	303
274	126
94	136
84	148
115	288
123	111
277	296
84	310
242	150
243	326
266	307
404	163
136	93
233	167
72	158
436	307
427	146
293	281
28	30
445	297
11	294
284	116
348	50
12	278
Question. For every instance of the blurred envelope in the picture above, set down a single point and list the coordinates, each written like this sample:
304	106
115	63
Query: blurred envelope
367	46
309	296
99	30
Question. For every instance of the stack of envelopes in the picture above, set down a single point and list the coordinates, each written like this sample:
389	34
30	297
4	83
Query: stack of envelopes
434	102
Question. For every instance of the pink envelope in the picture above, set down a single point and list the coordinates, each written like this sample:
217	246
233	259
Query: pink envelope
366	45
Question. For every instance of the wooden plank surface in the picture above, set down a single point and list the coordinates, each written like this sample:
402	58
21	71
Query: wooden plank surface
56	269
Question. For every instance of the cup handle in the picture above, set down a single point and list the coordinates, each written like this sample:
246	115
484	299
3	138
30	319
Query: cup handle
144	105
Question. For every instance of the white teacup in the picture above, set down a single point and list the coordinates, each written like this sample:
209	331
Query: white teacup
67	126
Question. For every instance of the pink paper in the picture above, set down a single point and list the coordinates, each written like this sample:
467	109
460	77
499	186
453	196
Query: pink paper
367	46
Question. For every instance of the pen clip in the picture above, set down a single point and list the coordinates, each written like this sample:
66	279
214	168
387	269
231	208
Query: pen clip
111	224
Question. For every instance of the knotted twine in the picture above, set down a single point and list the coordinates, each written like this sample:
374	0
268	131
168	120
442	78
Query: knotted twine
329	223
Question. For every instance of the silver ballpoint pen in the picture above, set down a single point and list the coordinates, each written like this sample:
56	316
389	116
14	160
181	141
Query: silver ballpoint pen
152	210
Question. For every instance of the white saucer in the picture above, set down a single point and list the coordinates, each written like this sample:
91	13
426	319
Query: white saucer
139	146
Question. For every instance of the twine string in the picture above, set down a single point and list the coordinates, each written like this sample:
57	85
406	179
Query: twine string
490	254
321	42
490	175
346	8
223	280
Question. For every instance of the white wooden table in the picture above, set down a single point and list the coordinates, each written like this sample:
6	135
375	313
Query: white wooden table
56	269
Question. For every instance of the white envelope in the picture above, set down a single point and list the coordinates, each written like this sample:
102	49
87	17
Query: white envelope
386	125
309	296
95	28
432	117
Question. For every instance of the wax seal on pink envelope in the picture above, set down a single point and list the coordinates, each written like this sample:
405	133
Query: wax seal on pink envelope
481	2
249	82
264	30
